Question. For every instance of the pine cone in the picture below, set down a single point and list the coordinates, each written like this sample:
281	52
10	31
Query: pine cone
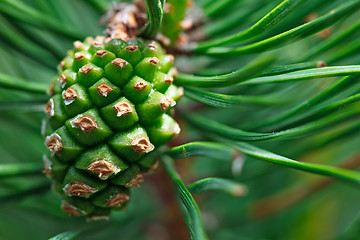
108	114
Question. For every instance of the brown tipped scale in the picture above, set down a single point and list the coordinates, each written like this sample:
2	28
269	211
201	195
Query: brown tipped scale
142	145
104	89
101	53
85	123
62	79
78	45
85	69
173	72
117	200
97	43
71	210
152	46
78	189
122	108
100	39
79	55
168	79
47	167
49	108
61	65
132	48
69	95
119	62
53	142
135	181
154	61
166	103
103	168
140	85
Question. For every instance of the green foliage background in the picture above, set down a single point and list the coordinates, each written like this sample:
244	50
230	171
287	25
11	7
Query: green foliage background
299	111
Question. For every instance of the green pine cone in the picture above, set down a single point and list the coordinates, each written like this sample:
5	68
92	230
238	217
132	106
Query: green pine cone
108	114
